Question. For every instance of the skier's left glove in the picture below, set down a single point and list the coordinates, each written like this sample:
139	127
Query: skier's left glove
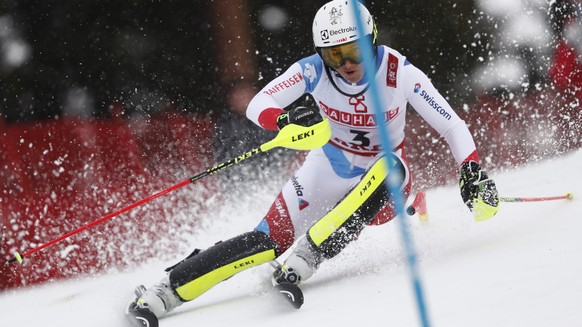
478	191
302	116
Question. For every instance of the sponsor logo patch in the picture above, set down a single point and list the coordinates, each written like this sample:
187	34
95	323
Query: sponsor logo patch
335	15
303	204
297	186
435	105
358	104
310	73
392	72
416	87
284	84
356	119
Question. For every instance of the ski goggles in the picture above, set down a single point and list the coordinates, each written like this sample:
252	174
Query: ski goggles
337	56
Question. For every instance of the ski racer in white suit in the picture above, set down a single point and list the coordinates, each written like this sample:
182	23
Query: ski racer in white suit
335	193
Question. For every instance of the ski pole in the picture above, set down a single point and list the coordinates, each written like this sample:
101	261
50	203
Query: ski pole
416	205
291	136
567	196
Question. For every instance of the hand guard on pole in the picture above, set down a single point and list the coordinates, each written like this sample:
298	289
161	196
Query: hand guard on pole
478	191
301	116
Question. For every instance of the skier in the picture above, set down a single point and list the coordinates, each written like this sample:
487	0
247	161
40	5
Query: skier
339	188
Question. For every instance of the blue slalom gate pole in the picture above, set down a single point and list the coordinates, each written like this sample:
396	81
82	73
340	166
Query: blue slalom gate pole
377	104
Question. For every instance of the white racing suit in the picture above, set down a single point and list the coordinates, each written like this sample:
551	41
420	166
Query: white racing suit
329	173
339	188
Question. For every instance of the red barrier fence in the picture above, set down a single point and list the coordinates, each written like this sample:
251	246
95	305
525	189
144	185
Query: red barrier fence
60	175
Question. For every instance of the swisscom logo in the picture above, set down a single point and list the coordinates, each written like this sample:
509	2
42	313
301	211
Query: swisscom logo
417	88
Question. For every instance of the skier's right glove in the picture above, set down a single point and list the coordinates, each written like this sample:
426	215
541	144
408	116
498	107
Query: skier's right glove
302	116
478	191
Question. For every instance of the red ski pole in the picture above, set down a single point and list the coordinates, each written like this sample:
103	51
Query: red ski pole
291	136
19	257
419	204
567	196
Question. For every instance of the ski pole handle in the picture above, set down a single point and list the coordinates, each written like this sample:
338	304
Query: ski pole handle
17	257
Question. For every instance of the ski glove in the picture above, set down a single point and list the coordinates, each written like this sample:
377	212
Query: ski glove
478	191
302	116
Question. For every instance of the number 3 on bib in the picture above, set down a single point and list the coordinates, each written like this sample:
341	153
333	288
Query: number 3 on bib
360	137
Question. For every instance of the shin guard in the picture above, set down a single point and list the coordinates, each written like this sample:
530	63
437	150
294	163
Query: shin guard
330	234
200	272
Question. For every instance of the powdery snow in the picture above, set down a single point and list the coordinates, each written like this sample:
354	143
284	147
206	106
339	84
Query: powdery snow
522	268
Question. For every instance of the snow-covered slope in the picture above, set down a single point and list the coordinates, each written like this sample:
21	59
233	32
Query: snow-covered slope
521	268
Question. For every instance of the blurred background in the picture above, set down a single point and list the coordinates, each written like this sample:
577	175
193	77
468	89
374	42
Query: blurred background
88	57
103	102
84	58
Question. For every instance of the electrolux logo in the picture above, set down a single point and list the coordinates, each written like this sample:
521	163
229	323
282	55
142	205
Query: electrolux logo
343	30
324	35
435	105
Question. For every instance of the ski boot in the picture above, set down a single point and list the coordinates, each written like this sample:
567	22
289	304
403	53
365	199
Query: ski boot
139	313
151	304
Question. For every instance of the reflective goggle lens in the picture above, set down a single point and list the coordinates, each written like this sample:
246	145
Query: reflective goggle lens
336	56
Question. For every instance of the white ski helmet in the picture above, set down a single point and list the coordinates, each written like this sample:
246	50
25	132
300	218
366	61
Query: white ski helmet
335	24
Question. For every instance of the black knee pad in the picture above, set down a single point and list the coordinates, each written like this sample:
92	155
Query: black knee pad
202	271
